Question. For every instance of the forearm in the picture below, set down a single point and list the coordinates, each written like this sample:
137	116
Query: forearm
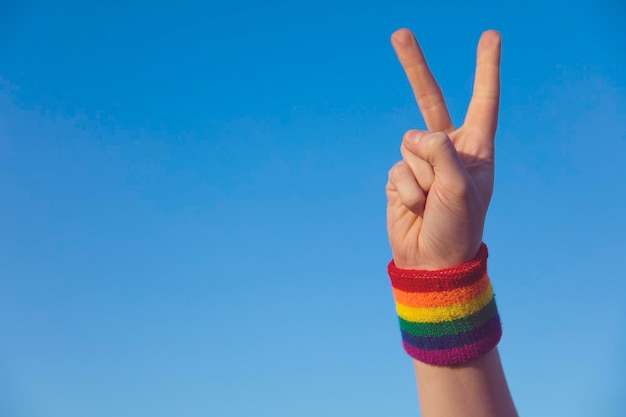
476	388
450	325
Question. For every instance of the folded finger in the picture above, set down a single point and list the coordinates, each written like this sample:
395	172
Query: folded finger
422	169
409	192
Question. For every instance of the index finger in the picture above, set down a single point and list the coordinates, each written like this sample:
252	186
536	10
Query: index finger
427	92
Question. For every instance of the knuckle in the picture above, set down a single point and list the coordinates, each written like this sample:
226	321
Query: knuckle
437	144
414	203
413	200
438	140
395	172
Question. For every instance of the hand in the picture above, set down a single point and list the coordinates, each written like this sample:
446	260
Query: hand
439	193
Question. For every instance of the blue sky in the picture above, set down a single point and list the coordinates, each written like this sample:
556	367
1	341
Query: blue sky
192	210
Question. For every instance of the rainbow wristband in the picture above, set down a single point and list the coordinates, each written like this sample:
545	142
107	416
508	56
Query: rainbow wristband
447	316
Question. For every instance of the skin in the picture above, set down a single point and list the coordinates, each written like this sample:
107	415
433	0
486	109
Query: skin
438	196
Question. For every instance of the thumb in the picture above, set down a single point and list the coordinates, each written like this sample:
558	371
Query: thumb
438	150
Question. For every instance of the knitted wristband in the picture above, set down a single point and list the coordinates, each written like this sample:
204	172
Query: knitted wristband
447	316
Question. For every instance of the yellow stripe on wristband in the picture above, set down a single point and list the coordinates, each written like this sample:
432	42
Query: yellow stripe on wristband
446	313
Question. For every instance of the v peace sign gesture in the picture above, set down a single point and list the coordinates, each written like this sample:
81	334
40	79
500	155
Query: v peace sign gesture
438	194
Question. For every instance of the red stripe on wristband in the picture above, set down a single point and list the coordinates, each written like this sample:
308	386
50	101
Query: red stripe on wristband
412	280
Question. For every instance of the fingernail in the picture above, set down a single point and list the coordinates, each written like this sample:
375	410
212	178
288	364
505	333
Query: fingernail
414	137
402	37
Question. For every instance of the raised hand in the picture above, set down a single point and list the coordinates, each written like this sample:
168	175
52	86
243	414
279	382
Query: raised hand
439	193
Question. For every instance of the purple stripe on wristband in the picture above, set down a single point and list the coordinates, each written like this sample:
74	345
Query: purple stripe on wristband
453	340
455	355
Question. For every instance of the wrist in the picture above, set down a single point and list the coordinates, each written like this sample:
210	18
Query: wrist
437	256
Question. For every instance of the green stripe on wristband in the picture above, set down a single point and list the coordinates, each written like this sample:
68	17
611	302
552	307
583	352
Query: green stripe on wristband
451	327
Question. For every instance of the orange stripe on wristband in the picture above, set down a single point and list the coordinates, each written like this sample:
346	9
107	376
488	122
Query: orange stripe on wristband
444	298
445	313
